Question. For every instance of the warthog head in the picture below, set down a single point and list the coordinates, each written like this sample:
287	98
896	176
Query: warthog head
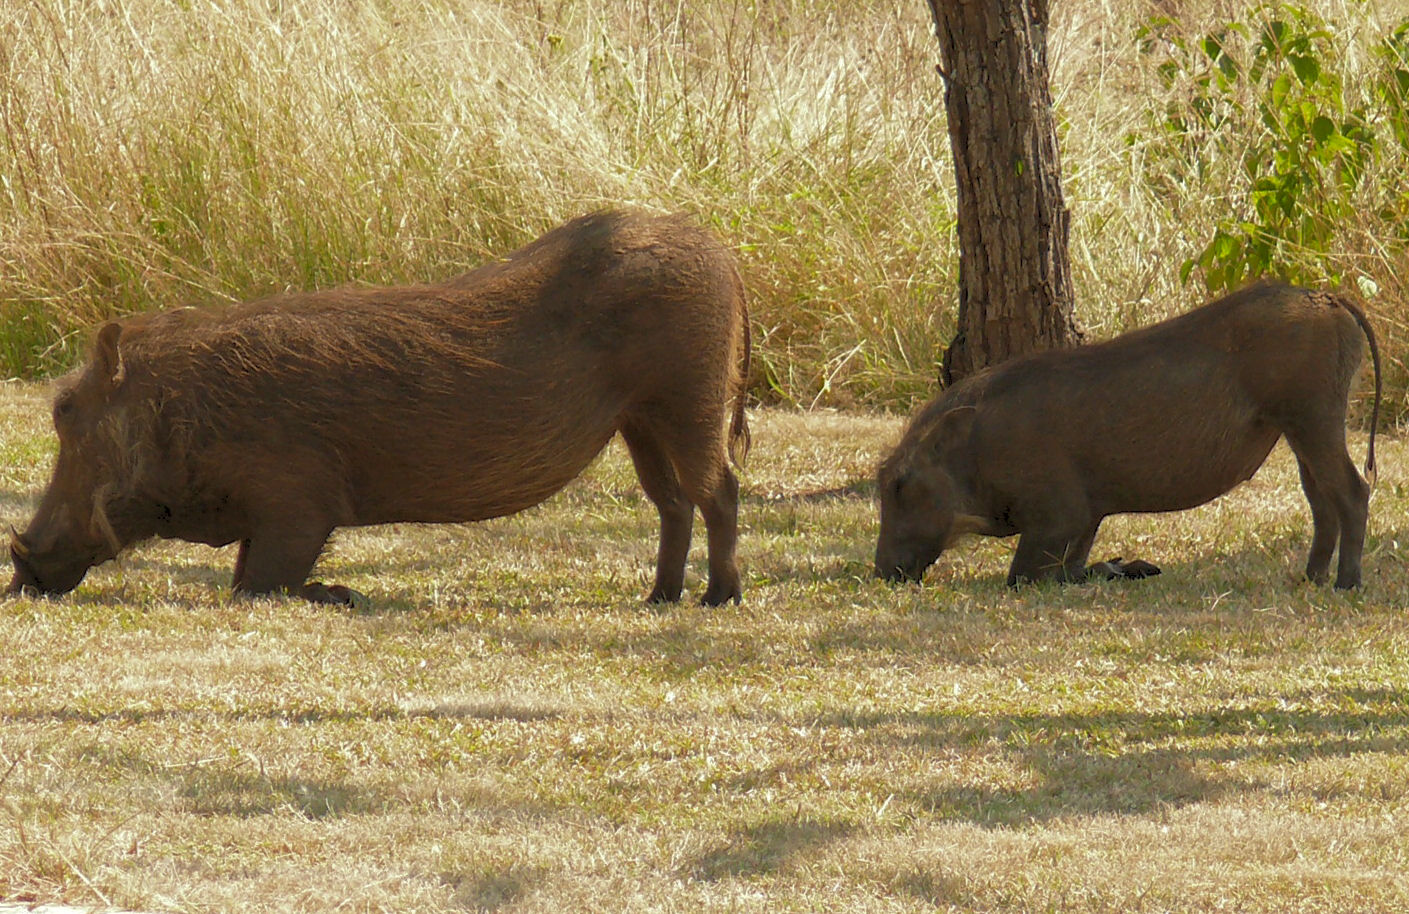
924	490
72	531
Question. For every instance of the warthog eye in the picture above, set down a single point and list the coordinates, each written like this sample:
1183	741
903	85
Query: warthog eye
63	406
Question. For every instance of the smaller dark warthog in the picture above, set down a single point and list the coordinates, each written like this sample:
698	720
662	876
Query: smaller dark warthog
272	423
1161	419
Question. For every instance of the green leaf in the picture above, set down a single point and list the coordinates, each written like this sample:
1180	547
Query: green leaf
1307	69
1323	128
1339	144
1229	71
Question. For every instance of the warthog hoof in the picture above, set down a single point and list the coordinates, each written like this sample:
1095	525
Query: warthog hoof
335	594
1116	568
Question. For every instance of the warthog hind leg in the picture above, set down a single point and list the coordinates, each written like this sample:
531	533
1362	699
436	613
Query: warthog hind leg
677	514
1339	499
677	458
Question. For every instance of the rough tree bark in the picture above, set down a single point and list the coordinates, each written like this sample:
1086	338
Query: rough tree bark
1015	292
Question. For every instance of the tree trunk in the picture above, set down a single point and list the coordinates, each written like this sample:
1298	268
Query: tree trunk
1015	293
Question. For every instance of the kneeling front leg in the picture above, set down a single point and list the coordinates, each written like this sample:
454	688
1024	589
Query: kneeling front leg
1059	557
1052	555
279	561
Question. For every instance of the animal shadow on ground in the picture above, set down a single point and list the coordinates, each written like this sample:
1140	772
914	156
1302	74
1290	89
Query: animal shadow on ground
241	785
1119	763
1074	764
496	889
862	489
764	848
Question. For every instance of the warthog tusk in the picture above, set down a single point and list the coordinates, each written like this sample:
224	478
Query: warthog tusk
100	520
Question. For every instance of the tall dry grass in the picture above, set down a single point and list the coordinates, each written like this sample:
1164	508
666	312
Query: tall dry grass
153	154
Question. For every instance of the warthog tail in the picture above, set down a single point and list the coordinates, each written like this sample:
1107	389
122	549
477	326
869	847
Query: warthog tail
740	438
1359	314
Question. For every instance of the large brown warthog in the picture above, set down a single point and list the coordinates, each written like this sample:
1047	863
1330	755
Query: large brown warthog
271	423
1161	419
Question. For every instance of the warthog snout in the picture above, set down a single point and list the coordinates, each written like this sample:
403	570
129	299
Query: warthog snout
896	568
46	576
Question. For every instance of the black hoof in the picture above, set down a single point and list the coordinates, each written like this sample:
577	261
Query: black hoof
333	594
1118	569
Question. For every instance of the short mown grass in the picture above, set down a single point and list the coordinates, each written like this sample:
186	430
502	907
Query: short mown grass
507	727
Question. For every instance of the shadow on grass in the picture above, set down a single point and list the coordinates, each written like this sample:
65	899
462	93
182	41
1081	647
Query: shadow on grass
951	622
221	792
485	711
240	787
492	891
1116	763
860	489
1064	765
766	848
1124	763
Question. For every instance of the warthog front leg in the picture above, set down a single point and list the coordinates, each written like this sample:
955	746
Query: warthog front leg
279	561
1053	553
1054	558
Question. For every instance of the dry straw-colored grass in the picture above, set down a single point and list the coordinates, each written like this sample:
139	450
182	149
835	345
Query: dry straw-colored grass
153	154
508	728
161	153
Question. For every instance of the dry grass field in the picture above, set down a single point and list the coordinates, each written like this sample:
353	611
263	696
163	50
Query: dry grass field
507	727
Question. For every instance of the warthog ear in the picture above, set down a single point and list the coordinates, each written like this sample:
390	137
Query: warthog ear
107	358
951	433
